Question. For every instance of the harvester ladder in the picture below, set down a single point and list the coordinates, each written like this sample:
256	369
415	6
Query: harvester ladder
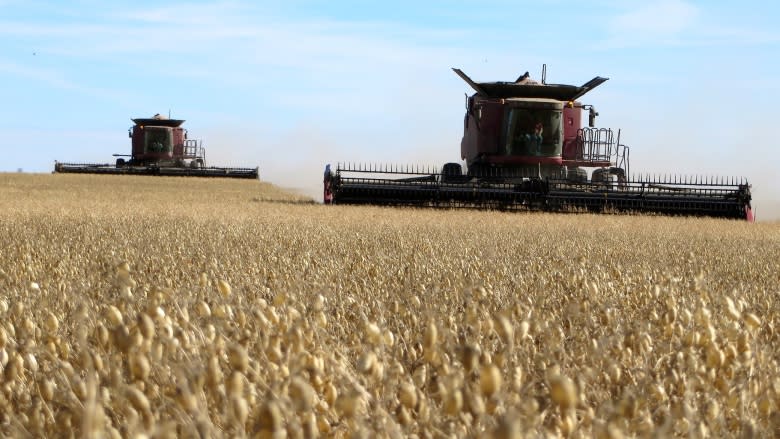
599	145
193	149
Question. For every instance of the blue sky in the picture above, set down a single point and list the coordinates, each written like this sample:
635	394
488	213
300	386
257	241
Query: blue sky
290	87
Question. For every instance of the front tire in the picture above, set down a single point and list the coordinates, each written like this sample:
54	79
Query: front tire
451	172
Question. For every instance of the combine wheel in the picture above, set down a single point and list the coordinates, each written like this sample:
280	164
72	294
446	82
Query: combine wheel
600	176
451	172
609	177
620	173
577	175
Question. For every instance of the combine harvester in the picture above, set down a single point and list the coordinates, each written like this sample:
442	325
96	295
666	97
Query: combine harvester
525	149
160	147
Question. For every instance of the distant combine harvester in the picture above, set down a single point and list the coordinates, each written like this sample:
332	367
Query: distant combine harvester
160	147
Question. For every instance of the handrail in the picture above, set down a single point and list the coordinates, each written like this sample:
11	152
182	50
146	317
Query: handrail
601	145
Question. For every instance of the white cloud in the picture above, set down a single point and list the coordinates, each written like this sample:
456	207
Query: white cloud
680	23
657	19
56	80
215	41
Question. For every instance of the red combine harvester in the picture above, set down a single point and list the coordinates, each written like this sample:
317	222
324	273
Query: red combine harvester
525	149
160	147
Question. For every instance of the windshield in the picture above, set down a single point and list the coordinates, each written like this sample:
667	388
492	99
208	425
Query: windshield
533	132
158	140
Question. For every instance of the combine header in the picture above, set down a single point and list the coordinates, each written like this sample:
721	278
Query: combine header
160	147
525	149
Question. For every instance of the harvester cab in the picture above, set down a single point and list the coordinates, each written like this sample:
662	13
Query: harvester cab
162	142
525	148
531	129
160	146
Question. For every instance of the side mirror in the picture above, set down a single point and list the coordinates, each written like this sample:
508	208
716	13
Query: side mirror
130	133
592	113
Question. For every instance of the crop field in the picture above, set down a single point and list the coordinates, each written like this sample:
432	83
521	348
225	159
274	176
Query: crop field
156	307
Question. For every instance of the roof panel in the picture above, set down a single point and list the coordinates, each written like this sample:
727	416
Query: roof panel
530	89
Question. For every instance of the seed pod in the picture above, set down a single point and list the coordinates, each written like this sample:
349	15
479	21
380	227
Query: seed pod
524	327
186	400
224	288
476	404
269	418
31	362
14	368
453	402
64	350
137	399
732	310
114	316
469	357
715	357
46	388
403	416
407	394
239	360
752	321
388	338
505	330
563	392
322	320
614	373
213	373
508	427
517	379
348	405
420	376
139	366
203	280
373	334
79	388
280	299
146	326
122	338
366	363
331	394
239	410
102	335
52	323
4	357
97	361
203	309
431	336
489	379
235	384
301	394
